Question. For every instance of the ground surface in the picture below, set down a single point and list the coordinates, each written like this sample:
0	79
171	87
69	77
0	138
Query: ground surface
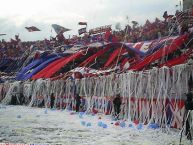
20	124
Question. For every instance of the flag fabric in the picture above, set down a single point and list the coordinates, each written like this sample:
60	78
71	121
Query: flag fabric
82	23
59	29
82	31
32	29
2	34
165	15
134	23
164	51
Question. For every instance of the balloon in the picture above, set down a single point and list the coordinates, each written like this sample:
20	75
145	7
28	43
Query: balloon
88	124
136	122
81	113
122	124
153	126
100	123
80	116
83	123
95	111
53	109
117	123
104	126
69	108
3	107
45	111
140	126
18	116
130	125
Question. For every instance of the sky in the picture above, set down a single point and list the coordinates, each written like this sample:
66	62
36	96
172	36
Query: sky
15	15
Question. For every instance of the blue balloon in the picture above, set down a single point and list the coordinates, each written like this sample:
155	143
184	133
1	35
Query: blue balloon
130	125
153	126
83	123
122	124
81	113
2	107
80	116
140	126
100	123
45	111
69	108
53	109
88	124
104	125
18	116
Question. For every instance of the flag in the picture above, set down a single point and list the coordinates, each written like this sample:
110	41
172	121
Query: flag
134	22
165	15
32	29
82	23
59	29
2	34
82	31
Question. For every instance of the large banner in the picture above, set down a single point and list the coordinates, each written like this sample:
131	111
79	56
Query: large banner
100	29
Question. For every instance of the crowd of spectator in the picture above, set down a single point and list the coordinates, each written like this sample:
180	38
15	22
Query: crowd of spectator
171	25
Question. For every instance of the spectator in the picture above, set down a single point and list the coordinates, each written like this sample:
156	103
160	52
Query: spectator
117	106
78	102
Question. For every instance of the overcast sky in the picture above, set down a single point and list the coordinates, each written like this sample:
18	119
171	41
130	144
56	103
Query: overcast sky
15	15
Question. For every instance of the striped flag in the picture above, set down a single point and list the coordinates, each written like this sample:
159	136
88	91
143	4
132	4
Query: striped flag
32	29
82	23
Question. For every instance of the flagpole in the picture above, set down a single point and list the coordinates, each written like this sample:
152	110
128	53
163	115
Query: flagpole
180	6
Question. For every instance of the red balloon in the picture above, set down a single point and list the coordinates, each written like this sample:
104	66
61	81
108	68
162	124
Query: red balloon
136	122
117	123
